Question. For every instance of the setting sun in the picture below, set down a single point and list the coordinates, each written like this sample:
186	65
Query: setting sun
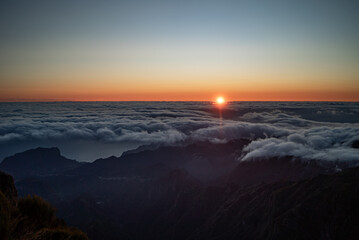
220	100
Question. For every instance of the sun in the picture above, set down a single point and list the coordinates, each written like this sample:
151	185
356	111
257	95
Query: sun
220	100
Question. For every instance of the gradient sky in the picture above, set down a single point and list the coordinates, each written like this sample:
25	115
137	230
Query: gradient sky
179	50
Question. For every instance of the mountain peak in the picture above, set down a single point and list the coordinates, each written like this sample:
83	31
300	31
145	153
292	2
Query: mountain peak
41	161
39	152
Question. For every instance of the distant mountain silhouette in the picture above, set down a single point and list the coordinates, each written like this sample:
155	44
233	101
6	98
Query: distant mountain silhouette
203	160
197	191
37	162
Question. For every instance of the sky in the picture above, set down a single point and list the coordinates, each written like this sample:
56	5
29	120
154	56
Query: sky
179	50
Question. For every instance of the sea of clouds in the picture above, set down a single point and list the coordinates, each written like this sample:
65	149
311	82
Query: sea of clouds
89	130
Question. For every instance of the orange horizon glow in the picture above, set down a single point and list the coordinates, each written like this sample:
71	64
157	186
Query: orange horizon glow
178	89
53	96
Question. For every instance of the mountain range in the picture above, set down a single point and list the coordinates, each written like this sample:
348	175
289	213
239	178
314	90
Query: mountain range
195	191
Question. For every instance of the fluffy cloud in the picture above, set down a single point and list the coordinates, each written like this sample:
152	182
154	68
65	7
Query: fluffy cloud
234	130
299	129
332	144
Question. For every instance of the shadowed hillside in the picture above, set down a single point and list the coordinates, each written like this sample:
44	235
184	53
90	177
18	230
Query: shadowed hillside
201	191
30	217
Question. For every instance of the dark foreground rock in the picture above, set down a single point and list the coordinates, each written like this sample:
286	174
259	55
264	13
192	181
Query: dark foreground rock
30	217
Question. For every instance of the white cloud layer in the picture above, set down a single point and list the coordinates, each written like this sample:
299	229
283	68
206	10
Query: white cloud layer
332	144
308	130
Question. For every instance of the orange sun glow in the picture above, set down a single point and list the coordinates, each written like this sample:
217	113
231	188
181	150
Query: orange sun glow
220	100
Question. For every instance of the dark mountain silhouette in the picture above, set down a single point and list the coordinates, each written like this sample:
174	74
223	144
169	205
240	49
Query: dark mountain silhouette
277	169
200	191
324	207
31	217
37	162
204	160
176	207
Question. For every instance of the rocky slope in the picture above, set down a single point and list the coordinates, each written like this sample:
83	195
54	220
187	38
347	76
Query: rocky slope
201	191
30	217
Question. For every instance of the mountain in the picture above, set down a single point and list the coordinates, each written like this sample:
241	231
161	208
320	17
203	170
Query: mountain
203	160
30	218
276	169
201	191
178	207
324	207
37	162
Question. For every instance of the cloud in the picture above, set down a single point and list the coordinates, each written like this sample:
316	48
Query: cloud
286	128
273	147
300	113
10	137
331	144
236	130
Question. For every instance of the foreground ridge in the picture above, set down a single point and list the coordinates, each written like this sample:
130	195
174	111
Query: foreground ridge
30	217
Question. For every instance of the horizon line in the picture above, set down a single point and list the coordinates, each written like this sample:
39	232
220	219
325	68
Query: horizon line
228	101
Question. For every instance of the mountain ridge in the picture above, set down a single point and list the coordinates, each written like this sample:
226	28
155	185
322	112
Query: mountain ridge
37	162
155	194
